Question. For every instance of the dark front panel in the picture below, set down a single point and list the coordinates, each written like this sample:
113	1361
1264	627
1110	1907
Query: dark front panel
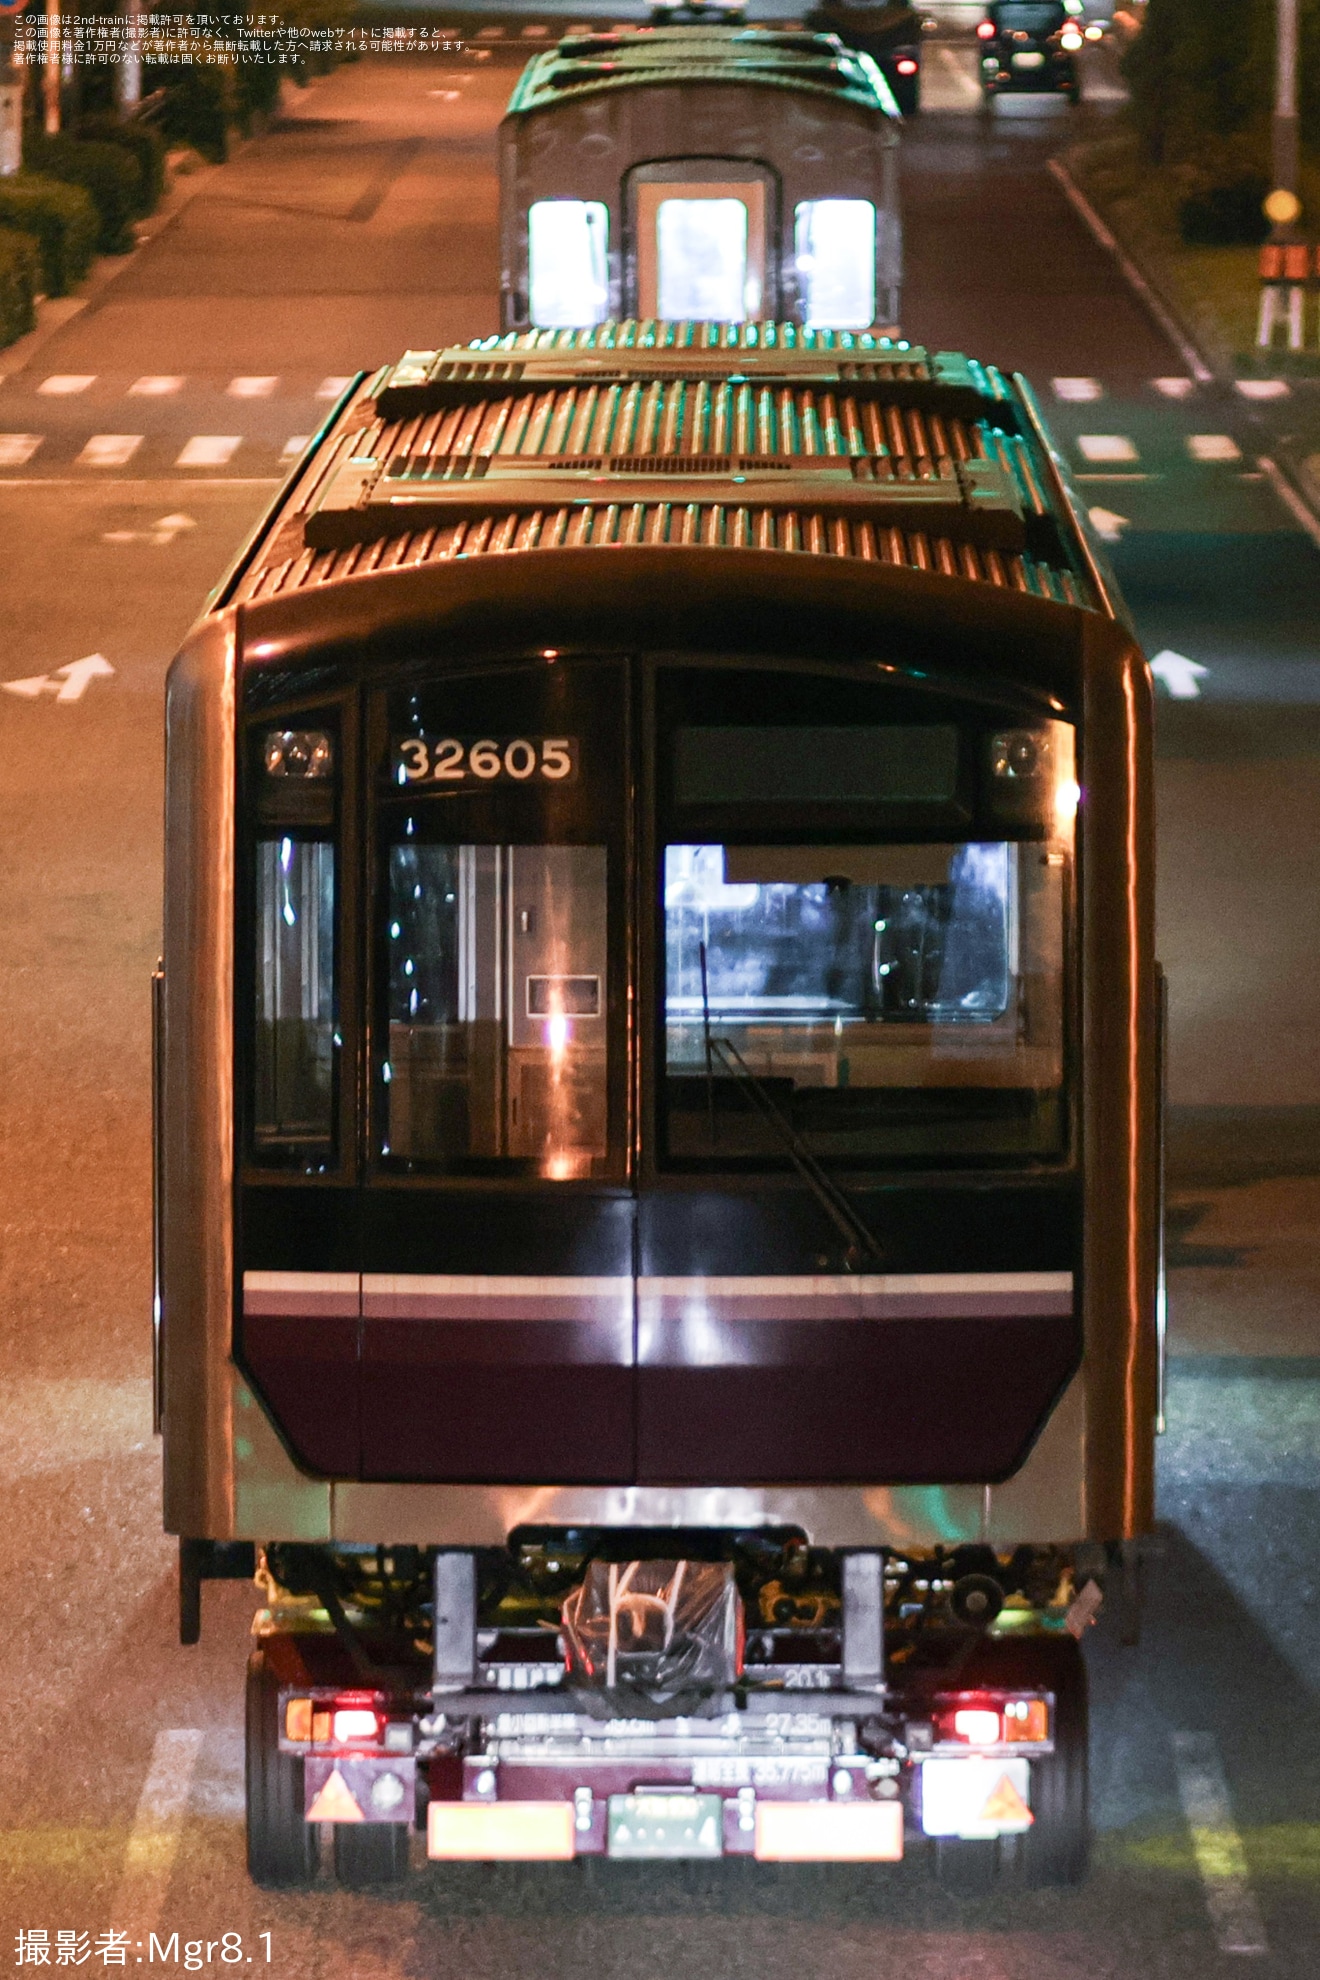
498	1337
761	1360
306	1370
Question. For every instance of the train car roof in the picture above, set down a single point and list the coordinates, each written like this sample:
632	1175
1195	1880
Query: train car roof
836	445
631	58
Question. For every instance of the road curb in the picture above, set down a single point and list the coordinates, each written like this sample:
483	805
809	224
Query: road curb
1165	316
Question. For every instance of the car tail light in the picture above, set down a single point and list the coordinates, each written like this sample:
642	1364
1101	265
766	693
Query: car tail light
1094	33
907	67
1070	39
356	1722
986	30
977	1725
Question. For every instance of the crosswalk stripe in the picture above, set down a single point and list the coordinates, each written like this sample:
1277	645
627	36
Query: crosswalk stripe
62	384
210	450
1213	447
1078	390
251	388
1216	1844
110	450
17	449
1106	447
157	1828
155	387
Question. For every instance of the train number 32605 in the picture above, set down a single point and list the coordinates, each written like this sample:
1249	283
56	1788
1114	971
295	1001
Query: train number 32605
454	760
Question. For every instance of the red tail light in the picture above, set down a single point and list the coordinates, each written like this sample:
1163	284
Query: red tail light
986	30
907	67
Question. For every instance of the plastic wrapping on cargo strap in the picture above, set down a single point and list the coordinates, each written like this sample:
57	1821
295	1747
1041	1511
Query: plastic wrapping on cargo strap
662	1633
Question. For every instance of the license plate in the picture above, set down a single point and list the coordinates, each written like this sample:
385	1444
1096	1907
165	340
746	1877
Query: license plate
666	1825
1033	60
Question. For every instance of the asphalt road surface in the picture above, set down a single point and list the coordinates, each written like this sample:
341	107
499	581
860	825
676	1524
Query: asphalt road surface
137	446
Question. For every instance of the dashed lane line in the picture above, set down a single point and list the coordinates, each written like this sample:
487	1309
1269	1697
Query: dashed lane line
1216	1844
1213	447
63	384
157	1827
331	388
155	387
1106	447
1078	391
110	450
1263	388
251	388
17	449
1174	388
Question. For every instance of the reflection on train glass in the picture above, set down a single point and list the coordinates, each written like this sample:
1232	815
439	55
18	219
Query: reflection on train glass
496	1006
295	993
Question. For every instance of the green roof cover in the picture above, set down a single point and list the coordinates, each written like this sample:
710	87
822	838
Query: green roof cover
588	64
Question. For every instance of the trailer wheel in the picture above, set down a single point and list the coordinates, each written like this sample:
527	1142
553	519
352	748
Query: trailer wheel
281	1845
1056	1848
368	1853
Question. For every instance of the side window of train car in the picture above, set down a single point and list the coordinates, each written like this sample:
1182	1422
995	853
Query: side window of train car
866	921
293	780
499	829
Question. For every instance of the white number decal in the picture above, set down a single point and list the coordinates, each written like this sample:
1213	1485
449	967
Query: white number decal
556	758
484	759
521	764
449	761
414	764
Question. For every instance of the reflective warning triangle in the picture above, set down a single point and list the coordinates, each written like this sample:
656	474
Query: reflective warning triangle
1004	1805
335	1802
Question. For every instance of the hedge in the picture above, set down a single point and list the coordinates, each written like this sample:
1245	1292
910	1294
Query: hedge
106	171
61	222
18	283
142	144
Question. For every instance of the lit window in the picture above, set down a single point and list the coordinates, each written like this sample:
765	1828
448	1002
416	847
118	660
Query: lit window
702	254
566	252
835	248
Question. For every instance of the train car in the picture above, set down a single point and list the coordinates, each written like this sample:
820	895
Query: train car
658	1093
725	174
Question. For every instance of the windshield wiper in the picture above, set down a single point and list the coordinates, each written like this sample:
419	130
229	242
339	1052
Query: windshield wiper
839	1208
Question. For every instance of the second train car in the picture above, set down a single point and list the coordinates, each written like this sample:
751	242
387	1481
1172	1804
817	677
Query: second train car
658	1159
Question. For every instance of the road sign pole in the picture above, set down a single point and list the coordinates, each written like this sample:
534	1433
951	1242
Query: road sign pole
1285	104
129	77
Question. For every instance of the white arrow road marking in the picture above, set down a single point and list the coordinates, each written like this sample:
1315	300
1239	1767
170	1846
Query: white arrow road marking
1216	1844
1108	526
66	683
163	531
1179	674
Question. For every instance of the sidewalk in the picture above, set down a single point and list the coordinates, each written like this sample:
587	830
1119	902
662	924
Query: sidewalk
1206	301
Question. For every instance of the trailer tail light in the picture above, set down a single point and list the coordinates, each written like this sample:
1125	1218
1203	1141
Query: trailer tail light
298	1720
500	1831
356	1722
978	1726
986	30
1026	1719
829	1832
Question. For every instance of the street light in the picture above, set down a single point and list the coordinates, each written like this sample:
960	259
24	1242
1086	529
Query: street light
1283	207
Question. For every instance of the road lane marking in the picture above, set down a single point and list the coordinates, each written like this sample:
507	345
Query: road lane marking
153	1842
67	683
294	445
62	384
1263	388
1181	676
1106	447
251	388
1213	447
210	450
155	387
1108	526
17	449
330	388
163	530
969	91
1078	390
1216	1844
1175	388
110	450
1291	500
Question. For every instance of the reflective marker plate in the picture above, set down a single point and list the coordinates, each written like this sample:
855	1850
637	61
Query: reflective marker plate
666	1825
976	1798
